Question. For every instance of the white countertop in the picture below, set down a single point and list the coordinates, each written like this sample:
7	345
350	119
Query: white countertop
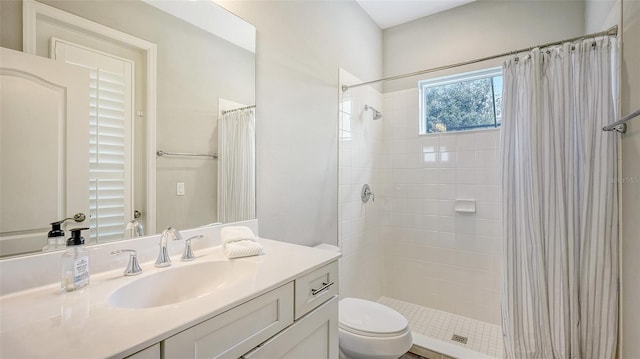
45	322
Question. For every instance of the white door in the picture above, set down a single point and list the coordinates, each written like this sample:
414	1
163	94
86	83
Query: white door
110	136
44	147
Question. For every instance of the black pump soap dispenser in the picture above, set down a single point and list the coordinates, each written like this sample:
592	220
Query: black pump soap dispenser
55	237
75	263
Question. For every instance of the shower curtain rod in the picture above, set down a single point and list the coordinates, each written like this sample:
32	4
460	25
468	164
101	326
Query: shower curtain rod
238	109
612	31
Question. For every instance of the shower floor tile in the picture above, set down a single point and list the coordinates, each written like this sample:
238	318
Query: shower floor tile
482	337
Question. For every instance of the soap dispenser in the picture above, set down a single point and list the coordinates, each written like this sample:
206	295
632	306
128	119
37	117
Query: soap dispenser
75	263
55	237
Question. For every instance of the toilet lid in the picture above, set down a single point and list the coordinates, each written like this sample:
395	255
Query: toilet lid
365	316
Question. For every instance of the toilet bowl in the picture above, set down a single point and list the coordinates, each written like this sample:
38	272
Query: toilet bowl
370	330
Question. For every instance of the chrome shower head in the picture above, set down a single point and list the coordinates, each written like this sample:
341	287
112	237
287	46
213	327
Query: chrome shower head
376	114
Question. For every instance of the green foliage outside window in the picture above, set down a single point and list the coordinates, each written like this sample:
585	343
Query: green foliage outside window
464	104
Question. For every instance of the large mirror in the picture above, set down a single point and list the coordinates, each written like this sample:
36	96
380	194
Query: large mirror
165	131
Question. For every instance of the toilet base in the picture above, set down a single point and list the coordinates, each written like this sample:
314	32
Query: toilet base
342	355
354	346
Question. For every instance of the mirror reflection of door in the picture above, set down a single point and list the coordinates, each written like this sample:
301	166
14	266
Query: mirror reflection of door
110	132
44	148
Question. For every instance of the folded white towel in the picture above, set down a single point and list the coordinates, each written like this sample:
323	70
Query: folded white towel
236	233
242	248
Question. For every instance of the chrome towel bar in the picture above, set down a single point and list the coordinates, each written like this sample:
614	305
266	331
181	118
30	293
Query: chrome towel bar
621	124
162	153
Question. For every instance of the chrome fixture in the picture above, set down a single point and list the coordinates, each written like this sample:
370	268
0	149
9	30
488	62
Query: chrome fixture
188	255
376	114
78	217
133	267
621	124
224	112
162	153
134	228
163	257
366	194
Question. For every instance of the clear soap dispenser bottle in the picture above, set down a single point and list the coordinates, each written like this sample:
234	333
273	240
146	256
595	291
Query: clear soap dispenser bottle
55	237
75	263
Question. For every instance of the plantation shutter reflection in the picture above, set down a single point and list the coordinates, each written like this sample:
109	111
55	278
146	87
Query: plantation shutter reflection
107	155
110	113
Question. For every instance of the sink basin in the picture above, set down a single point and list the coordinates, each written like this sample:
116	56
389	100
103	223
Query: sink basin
175	285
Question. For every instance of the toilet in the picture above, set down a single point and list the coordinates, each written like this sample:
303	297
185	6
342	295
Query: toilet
370	330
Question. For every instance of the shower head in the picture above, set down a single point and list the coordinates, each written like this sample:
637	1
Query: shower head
376	114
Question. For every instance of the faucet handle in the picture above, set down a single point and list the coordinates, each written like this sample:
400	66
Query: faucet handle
133	267
188	255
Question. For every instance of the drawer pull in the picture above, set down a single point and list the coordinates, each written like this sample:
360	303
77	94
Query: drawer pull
324	287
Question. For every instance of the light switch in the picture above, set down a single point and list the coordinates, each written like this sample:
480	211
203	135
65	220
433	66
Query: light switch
180	189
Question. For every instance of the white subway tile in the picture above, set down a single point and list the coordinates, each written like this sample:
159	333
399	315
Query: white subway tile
430	159
447	191
446	224
489	210
487	158
466	141
466	159
429	223
430	206
489	227
429	143
466	223
446	175
487	176
489	193
465	191
447	159
447	143
430	176
465	176
446	208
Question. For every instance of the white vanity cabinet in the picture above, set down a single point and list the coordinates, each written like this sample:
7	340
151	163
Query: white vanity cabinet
314	336
296	320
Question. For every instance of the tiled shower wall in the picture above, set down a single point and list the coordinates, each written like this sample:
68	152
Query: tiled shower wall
360	161
434	256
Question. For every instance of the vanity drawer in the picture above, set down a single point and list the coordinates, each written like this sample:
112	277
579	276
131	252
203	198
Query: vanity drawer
236	331
315	288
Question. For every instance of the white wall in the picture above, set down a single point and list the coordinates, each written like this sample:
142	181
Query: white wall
479	29
361	160
600	15
301	45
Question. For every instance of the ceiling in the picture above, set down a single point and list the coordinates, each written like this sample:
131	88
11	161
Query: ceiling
388	13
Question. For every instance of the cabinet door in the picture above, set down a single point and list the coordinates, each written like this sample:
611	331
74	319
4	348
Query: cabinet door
313	336
237	330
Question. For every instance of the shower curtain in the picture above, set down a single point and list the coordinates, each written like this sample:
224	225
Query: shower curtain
560	202
236	166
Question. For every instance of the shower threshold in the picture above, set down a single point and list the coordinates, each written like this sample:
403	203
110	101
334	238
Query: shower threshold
438	334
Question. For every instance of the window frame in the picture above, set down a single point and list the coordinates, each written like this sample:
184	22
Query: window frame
447	80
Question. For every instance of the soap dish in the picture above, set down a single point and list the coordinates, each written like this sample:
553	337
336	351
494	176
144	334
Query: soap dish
465	206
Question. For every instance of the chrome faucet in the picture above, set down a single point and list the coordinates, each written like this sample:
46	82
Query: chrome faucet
163	257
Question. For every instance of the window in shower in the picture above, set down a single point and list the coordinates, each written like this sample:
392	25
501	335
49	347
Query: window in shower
461	102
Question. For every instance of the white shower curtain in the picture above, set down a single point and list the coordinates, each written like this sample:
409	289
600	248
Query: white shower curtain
236	166
560	202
